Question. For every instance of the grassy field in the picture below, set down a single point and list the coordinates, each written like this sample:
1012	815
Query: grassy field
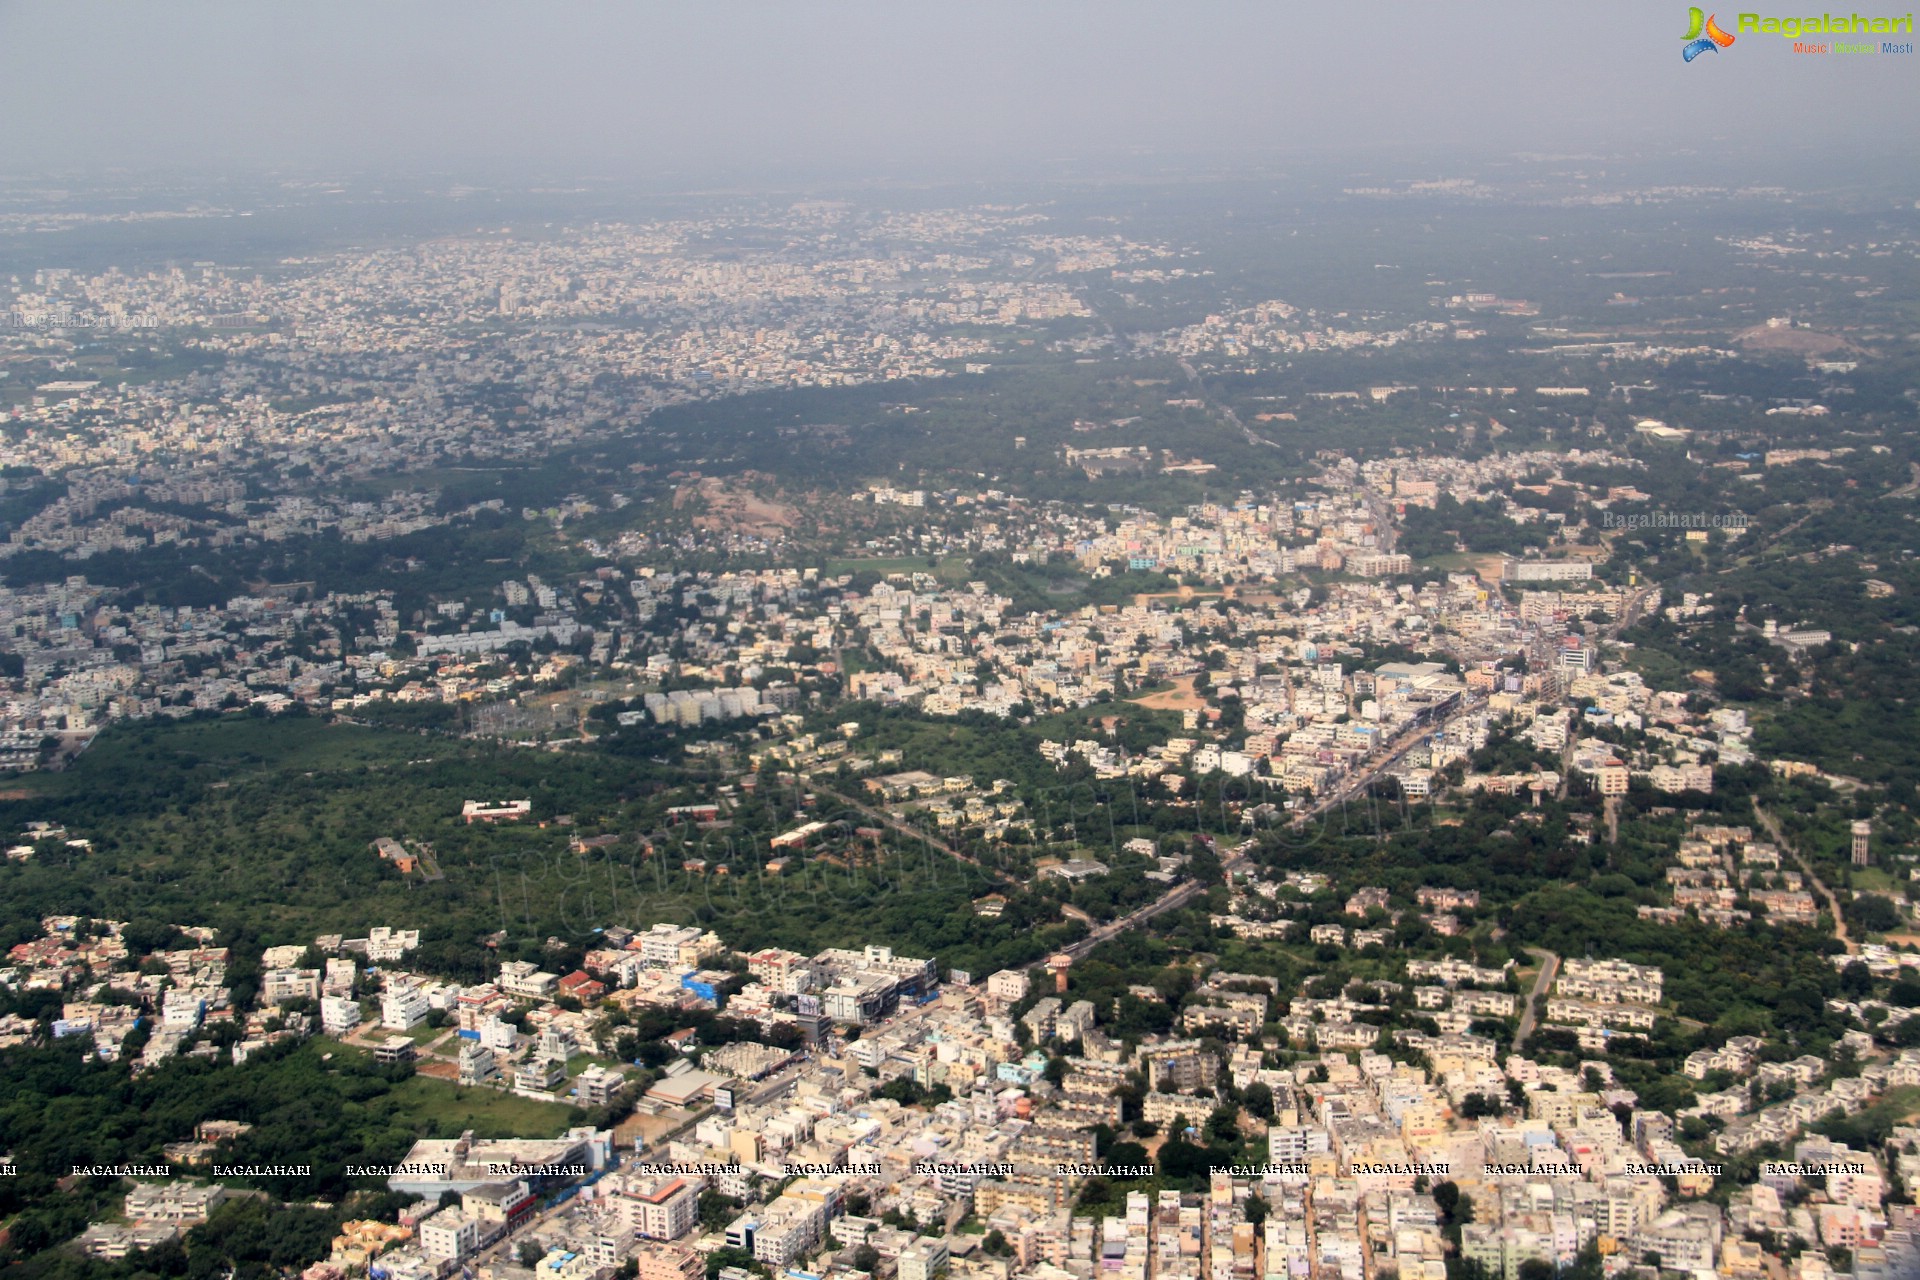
1895	1106
1660	669
373	488
1873	880
453	1109
1031	587
951	569
424	1034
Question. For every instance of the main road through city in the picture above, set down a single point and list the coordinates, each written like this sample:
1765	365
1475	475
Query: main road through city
1352	785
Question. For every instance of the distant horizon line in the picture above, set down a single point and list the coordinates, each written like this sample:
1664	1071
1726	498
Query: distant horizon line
1147	164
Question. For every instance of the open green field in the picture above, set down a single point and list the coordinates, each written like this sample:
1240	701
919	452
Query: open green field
491	1113
442	1107
1899	1104
465	479
1869	1127
949	569
1873	880
1031	587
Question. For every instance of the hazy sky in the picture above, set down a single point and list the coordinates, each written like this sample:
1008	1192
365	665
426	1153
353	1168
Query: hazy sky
620	89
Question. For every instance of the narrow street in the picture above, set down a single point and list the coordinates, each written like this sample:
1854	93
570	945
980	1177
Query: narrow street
1819	885
1233	419
1359	780
901	828
1542	983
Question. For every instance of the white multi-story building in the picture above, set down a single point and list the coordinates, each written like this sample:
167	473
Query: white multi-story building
403	1006
664	1210
923	1260
182	1010
1009	985
339	977
786	973
477	1064
527	980
1547	571
385	945
282	986
449	1235
339	1015
663	945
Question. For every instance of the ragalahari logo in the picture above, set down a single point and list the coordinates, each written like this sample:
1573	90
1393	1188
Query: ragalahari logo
1703	35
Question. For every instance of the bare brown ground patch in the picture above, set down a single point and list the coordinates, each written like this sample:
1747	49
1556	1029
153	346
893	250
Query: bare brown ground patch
1179	698
1804	342
734	507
